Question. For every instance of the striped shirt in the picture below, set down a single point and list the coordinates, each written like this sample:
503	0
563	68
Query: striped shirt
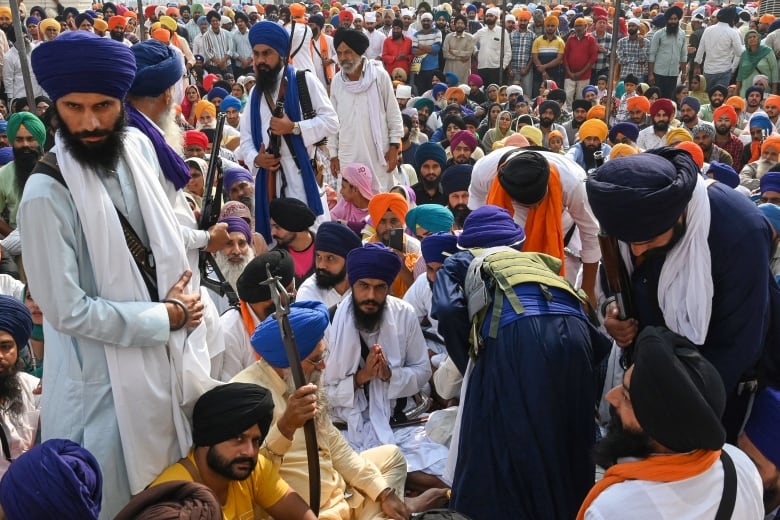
241	46
521	49
216	45
632	58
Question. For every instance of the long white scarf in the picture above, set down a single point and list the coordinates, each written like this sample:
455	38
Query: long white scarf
368	83
153	388
685	286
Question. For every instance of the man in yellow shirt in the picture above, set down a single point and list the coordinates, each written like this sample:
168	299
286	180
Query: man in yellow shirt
229	424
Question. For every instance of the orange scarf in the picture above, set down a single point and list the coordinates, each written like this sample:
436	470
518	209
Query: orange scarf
755	151
323	55
663	468
248	319
543	225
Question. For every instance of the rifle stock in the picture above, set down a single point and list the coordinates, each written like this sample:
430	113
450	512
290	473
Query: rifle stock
618	285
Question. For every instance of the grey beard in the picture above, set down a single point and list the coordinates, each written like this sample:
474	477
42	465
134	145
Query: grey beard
322	418
762	166
230	270
173	133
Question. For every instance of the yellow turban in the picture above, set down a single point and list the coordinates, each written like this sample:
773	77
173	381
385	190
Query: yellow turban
204	106
49	23
168	23
5	11
678	135
100	25
594	128
533	134
622	150
597	112
384	202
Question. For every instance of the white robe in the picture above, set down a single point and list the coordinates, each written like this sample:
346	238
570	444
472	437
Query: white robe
238	353
309	291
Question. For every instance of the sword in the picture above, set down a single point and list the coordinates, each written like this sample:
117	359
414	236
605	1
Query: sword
282	302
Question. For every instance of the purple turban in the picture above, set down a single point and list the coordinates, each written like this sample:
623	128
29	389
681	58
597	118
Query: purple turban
490	226
15	319
336	238
56	479
373	260
81	61
770	182
238	225
463	136
435	246
271	34
475	79
237	174
308	320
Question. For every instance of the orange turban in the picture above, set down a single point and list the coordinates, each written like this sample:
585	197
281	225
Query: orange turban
116	21
622	150
524	15
162	35
5	11
297	10
203	106
725	110
594	128
695	151
767	19
640	102
384	202
100	25
773	141
455	91
772	101
736	102
597	111
551	20
131	14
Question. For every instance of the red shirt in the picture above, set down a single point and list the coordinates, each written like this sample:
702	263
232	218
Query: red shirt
394	48
580	54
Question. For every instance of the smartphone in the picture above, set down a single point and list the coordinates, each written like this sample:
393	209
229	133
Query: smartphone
396	240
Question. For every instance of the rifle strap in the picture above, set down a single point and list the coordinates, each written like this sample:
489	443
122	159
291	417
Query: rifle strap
307	108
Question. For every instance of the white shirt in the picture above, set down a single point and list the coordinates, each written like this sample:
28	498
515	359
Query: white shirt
376	40
22	430
238	353
723	47
489	43
309	291
648	139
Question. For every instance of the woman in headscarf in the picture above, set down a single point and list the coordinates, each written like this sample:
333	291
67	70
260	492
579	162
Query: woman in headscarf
489	121
191	98
757	59
698	89
501	131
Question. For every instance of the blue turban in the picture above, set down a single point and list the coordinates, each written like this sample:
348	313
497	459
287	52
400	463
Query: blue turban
32	20
31	122
157	68
433	217
452	78
427	151
456	178
724	173
691	101
81	61
56	479
271	34
334	20
3	127
770	182
202	19
373	260
238	225
763	121
439	88
217	92
490	226
626	128
85	16
308	320
6	155
336	238
236	174
659	21
590	88
772	213
15	319
230	102
638	197
435	246
471	7
764	420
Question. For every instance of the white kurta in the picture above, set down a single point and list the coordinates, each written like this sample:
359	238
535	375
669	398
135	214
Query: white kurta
309	291
22	430
238	353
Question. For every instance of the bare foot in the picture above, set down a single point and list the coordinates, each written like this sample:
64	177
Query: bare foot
428	499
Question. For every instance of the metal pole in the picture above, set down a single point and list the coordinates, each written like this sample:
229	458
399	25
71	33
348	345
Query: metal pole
612	60
21	48
503	37
141	20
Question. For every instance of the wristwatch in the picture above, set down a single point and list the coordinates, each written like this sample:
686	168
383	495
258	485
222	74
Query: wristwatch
296	129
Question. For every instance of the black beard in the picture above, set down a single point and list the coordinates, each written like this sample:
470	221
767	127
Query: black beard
11	391
546	122
327	280
366	321
117	37
660	126
430	185
716	104
672	29
267	79
722	130
25	160
659	253
102	157
633	32
225	467
460	212
686	119
620	443
398	36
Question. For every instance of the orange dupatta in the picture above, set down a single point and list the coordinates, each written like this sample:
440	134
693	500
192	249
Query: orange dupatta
249	321
663	468
543	225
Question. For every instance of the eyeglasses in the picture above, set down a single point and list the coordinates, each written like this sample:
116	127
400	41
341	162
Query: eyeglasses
319	360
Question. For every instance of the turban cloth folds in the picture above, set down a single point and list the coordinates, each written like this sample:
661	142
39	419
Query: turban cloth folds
225	411
490	226
662	104
270	34
31	122
352	38
384	202
237	174
594	128
157	69
238	225
336	238
432	217
249	285
173	501
308	320
438	246
360	176
291	214
16	320
373	261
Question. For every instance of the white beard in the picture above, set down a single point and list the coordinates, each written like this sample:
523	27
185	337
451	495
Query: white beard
229	269
763	166
173	133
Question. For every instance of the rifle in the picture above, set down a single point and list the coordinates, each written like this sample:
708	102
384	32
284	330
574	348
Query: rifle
618	284
209	215
282	303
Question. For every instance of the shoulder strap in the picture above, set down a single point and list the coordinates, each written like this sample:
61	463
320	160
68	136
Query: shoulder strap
191	469
729	497
5	445
303	95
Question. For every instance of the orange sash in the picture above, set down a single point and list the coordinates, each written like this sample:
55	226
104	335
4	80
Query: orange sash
249	321
543	226
323	55
662	468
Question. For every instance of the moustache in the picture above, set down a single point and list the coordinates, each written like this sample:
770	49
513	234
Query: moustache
93	133
369	302
242	460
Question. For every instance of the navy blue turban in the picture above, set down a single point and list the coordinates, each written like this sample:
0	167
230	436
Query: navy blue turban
81	61
230	102
308	320
638	197
56	479
456	178
373	260
15	319
85	16
692	102
157	68
754	88
770	182
724	173
626	128
490	226
228	410
435	246
217	92
430	151
336	238
271	34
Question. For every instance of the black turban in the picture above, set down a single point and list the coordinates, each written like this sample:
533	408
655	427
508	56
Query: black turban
557	95
173	501
524	176
225	411
581	103
674	10
638	197
249	284
718	88
552	105
727	14
291	214
355	40
677	395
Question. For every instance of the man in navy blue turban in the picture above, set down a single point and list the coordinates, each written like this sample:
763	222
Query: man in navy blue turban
329	283
124	320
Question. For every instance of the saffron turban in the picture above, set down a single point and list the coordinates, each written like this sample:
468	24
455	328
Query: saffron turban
463	136
336	238
724	173
490	226
230	102
250	285
373	260
597	112
291	214
455	92
736	102
725	110
430	151
456	178
228	410
770	182
438	246
56	479
678	134
551	20
175	499
271	34
626	128
638	197
238	225
692	102
5	11
100	25
308	320
116	21
621	150
638	102
197	138
695	150
157	69
663	104
360	176
237	174
80	61
433	217
384	202
49	23
772	101
524	15
594	128
31	122
352	38
773	141
16	320
204	106
677	395
761	428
